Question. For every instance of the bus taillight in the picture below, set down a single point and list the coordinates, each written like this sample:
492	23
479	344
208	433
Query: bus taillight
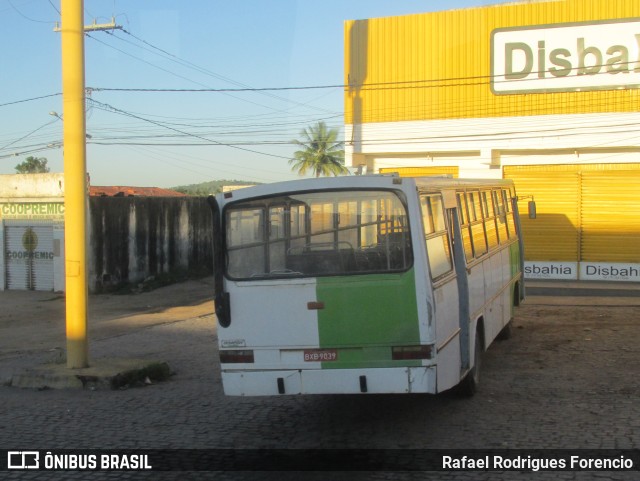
404	353
236	357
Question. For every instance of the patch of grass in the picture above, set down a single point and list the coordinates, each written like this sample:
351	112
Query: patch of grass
156	372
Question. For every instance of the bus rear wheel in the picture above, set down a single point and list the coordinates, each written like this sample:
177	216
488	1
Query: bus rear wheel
469	385
506	332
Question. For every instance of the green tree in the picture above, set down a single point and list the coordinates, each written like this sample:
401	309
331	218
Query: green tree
321	152
33	165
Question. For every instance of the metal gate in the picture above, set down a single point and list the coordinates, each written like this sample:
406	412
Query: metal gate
28	254
586	212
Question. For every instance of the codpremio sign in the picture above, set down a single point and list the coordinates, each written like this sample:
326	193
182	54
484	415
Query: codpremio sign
566	57
32	210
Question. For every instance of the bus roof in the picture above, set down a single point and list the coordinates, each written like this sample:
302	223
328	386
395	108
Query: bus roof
430	183
382	181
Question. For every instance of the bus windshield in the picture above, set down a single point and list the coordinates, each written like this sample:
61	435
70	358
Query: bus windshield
318	234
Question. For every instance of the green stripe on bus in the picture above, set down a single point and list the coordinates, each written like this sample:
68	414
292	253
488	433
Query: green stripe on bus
365	316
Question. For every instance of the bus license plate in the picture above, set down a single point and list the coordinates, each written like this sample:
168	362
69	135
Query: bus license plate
320	355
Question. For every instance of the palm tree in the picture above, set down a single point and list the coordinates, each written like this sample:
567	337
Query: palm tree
321	152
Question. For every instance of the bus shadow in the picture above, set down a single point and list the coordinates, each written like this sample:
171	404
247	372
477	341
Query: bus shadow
344	409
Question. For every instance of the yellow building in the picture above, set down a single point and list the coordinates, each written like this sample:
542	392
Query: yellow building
544	93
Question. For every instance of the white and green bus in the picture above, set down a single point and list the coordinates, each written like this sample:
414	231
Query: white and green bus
363	284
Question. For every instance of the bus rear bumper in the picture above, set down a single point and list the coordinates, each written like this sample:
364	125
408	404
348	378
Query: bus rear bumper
330	381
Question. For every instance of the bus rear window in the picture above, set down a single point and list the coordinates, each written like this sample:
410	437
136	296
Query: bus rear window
318	233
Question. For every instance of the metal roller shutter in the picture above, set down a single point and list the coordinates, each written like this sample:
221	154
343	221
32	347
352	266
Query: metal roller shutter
43	258
554	234
29	256
586	213
17	268
610	213
421	171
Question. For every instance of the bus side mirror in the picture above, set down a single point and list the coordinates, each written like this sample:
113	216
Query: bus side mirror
532	209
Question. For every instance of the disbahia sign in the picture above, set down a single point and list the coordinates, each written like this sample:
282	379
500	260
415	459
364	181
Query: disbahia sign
586	271
566	57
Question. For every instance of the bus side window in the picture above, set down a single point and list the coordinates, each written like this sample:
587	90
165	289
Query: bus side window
246	242
489	219
277	237
322	222
477	224
436	235
465	226
509	216
501	215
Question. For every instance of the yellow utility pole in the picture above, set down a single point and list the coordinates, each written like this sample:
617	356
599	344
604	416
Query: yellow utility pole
75	176
75	181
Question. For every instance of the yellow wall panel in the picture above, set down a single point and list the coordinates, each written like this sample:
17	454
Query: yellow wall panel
554	234
438	66
610	214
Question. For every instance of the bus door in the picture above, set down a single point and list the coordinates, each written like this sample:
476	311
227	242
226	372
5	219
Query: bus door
438	238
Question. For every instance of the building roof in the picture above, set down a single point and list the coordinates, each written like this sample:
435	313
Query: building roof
129	191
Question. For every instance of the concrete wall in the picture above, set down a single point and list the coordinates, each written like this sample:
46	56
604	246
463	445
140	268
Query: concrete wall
130	238
17	187
134	238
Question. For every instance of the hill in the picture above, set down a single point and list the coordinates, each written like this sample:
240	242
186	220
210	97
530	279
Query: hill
211	187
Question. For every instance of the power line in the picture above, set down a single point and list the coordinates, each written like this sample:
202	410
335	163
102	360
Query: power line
186	63
108	107
54	7
204	90
390	85
25	16
31	151
90	90
181	160
27	135
29	100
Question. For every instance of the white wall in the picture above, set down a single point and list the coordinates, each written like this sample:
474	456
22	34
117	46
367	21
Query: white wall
18	187
480	147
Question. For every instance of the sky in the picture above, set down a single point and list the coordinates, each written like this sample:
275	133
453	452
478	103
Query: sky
143	137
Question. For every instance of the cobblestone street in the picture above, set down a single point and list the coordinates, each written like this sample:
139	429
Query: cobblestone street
566	379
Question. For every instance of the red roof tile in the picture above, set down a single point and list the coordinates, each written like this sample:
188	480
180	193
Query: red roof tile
128	191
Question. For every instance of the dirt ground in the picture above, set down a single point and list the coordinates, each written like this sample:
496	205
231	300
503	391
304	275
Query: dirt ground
32	321
567	379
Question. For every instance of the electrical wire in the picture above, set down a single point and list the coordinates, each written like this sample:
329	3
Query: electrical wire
30	99
54	7
107	108
184	63
26	17
191	65
29	134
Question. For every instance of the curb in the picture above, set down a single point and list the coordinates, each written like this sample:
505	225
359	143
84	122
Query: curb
582	289
102	374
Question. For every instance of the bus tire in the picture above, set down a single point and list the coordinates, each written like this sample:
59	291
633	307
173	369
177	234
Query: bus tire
516	295
469	385
506	331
